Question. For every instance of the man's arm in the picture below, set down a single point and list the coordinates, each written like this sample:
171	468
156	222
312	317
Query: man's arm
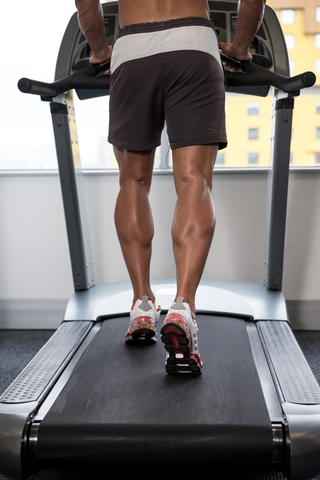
90	17
250	15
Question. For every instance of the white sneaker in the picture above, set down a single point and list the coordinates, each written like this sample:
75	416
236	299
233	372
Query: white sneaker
179	333
144	317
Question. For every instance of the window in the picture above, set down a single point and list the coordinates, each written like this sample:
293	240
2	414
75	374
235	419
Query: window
253	158
220	159
26	118
287	17
318	132
291	66
253	108
253	133
25	122
290	41
317	155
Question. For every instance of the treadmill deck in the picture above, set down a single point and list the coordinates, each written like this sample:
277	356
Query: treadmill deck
119	402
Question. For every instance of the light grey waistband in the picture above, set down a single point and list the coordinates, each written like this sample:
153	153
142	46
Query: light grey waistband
140	45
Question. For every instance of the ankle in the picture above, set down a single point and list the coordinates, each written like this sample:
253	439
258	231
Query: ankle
139	297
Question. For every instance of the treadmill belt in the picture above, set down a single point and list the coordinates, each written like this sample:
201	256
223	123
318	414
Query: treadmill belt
120	405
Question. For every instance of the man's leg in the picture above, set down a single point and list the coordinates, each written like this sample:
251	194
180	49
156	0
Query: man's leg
192	232
133	217
194	218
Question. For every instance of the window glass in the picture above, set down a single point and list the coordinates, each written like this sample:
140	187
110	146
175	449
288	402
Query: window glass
292	67
220	159
253	108
253	133
287	16
26	131
290	41
253	158
25	122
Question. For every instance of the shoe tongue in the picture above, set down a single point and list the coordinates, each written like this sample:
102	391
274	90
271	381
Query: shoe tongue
145	304
179	304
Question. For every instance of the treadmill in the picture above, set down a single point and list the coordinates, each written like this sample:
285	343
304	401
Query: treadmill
87	399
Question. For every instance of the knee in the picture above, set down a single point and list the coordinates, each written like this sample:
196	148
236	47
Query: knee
196	179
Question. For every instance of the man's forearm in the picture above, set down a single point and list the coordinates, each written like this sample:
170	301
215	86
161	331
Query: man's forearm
250	15
90	17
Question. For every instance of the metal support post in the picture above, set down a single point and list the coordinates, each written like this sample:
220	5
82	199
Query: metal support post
67	148
278	187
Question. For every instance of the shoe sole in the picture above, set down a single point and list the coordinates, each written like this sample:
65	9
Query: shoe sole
176	343
142	334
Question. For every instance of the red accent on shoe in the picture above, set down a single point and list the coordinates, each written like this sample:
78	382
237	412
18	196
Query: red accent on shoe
196	358
177	318
174	341
142	319
173	329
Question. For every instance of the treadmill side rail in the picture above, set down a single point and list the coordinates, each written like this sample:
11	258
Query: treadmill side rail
23	397
43	370
304	427
295	379
13	419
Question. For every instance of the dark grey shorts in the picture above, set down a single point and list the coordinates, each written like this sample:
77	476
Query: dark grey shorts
167	71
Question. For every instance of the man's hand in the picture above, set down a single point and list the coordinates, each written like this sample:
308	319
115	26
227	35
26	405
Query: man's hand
250	15
233	52
104	57
90	17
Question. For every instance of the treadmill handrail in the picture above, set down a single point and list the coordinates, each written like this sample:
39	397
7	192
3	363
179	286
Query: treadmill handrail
87	78
92	77
253	74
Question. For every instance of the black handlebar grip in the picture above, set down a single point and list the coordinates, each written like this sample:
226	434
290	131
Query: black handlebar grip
26	85
304	80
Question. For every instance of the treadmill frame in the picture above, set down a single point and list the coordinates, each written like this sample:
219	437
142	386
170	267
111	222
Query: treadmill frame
294	407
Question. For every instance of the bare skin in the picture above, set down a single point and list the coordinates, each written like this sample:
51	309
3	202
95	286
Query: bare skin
141	11
193	223
194	217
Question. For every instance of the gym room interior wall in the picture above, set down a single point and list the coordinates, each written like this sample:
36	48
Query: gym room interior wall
34	251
